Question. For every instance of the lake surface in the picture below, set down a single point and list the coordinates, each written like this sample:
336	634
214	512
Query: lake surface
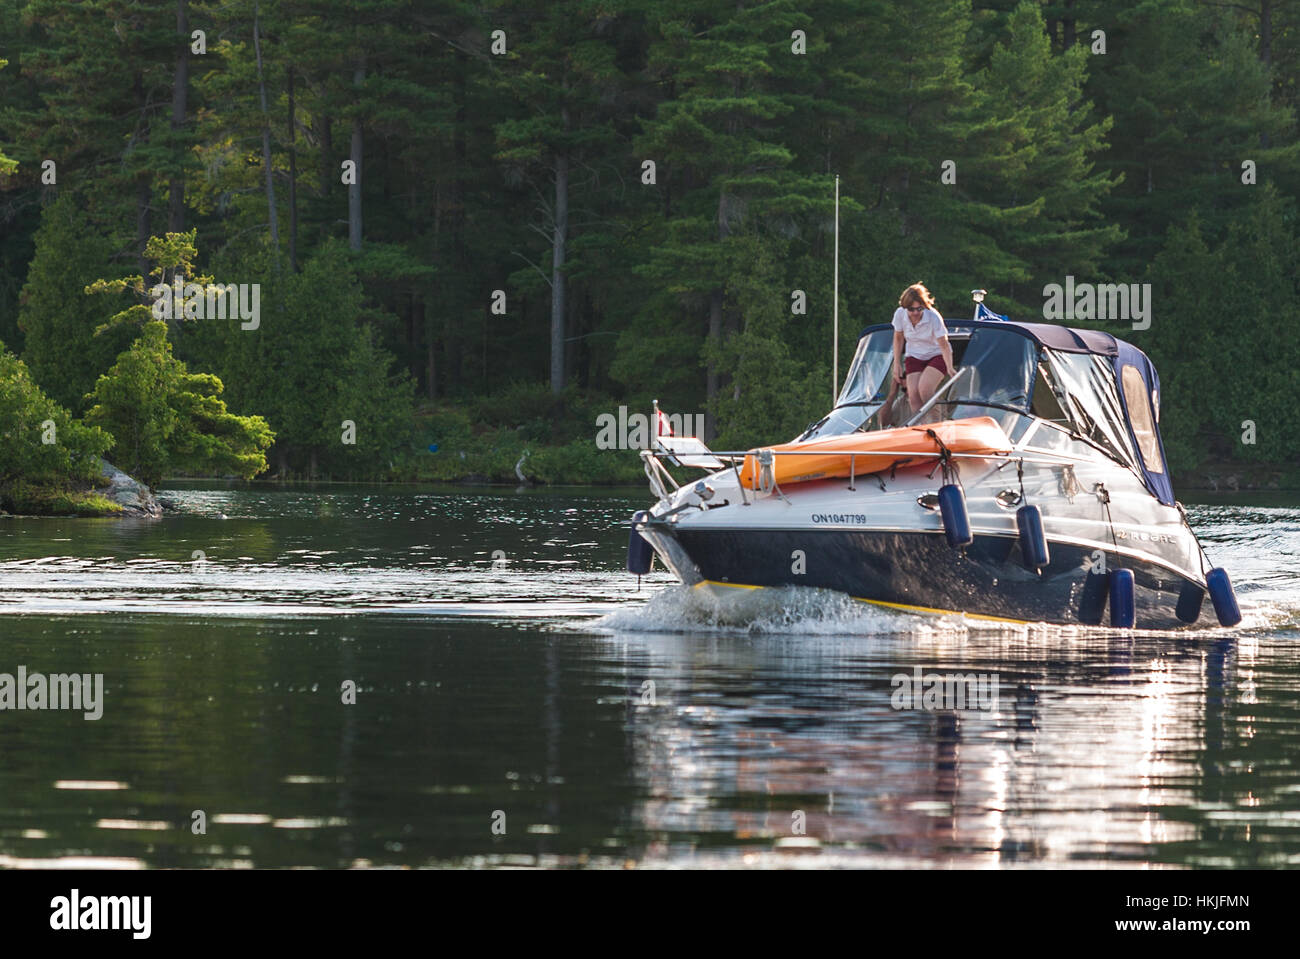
519	700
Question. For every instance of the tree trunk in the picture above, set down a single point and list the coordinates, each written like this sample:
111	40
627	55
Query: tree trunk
711	374
327	168
1068	26
1266	32
572	323
431	367
412	337
143	197
354	190
1265	49
431	378
143	182
456	356
293	181
558	290
266	136
180	87
713	380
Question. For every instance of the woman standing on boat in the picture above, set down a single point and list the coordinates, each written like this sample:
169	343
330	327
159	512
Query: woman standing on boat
922	353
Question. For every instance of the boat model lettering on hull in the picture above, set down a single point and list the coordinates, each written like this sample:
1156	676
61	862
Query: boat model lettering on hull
1139	535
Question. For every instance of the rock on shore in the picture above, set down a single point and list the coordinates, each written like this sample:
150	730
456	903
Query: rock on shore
134	497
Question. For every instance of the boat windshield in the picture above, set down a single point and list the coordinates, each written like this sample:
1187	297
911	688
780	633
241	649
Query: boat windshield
1000	374
866	388
995	377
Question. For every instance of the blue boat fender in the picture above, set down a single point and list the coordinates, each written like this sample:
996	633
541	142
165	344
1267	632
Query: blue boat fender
956	521
1092	603
639	553
1190	598
1033	542
1123	612
1222	596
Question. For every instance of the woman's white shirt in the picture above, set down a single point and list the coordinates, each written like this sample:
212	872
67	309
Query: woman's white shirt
921	341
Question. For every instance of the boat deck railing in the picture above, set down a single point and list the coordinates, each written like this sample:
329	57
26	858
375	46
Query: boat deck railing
764	457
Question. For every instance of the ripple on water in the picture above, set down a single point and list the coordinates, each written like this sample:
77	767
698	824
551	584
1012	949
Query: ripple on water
522	686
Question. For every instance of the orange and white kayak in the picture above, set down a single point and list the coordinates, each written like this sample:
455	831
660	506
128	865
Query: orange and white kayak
862	453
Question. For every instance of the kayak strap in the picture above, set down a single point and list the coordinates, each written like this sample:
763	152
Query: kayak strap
945	458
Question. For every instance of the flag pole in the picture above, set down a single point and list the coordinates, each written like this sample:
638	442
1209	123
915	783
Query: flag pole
835	302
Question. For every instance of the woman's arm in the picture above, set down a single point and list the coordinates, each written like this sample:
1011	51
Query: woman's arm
946	349
898	354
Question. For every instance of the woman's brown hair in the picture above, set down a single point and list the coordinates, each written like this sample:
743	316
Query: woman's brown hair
917	293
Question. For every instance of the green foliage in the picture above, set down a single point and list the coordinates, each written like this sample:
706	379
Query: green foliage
311	365
173	258
27	499
7	166
41	446
1226	366
168	420
58	322
1124	166
1040	174
94	74
1190	98
377	401
581	463
774	396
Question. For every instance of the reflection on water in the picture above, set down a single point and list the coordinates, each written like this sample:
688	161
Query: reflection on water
1100	749
608	725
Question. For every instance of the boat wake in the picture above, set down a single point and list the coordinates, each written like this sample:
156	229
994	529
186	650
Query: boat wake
790	610
779	610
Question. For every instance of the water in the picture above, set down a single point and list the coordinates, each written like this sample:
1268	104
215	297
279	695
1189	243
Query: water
508	672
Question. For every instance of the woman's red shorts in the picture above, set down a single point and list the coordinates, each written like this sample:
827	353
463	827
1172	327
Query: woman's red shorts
913	365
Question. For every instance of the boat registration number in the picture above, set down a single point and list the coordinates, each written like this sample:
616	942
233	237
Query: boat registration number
858	518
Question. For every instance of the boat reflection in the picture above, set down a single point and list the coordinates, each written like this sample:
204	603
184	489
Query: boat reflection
782	745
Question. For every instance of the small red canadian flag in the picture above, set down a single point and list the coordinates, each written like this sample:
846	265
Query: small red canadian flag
662	426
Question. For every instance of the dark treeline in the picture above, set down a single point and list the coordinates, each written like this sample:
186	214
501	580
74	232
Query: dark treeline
479	224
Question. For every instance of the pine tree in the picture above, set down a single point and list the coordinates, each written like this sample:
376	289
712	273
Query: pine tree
1221	359
163	417
58	321
166	420
717	150
563	74
103	69
1191	100
1046	165
310	366
7	166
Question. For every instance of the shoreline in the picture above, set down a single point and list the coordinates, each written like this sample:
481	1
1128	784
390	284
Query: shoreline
124	498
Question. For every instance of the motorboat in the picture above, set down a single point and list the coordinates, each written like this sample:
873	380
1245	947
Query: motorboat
1032	487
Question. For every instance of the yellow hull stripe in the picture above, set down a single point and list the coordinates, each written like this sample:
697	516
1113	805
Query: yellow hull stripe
880	602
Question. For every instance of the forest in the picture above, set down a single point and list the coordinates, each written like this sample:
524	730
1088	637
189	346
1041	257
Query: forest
474	228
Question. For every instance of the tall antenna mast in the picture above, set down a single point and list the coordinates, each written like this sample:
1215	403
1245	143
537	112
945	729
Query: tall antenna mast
835	303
